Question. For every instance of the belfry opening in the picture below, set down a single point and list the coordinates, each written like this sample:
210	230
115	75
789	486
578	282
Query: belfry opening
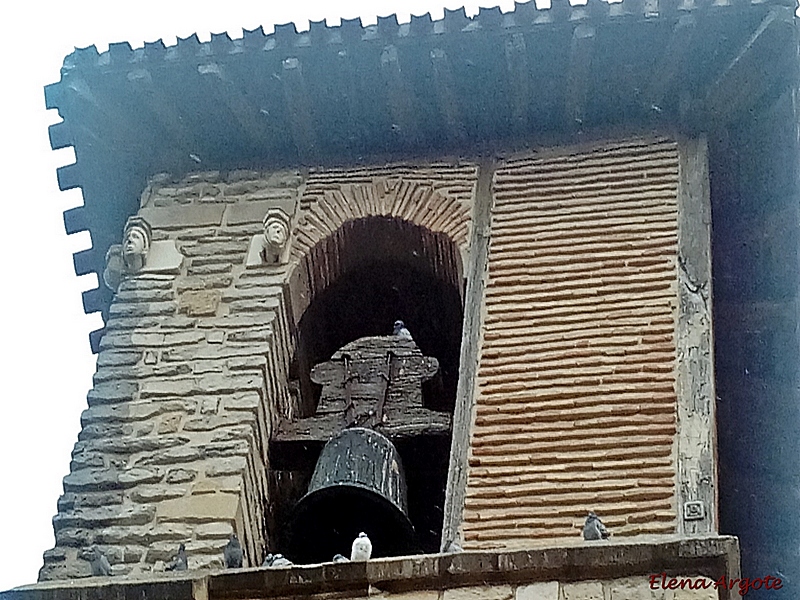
350	373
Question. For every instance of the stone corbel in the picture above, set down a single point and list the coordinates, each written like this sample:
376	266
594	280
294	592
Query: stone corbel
271	247
139	254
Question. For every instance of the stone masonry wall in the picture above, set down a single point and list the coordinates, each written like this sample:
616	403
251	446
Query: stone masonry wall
192	369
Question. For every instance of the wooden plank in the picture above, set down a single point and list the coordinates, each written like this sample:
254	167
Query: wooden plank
463	417
696	439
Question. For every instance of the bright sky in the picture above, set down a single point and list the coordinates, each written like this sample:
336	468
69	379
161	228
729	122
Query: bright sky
47	364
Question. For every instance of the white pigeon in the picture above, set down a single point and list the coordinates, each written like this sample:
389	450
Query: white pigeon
362	548
99	563
401	331
340	558
593	528
279	560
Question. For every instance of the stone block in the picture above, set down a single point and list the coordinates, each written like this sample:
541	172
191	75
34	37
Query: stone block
216	248
129	446
174	217
138	475
215	337
484	592
232	448
199	508
698	594
209	406
416	595
134	411
255	210
169	424
230	485
141	309
177	455
226	466
207	282
239	432
201	367
180	475
253	305
248	362
538	591
210	269
632	588
115	358
112	392
244	401
589	590
213	530
210	422
145	494
132	514
199	303
144	295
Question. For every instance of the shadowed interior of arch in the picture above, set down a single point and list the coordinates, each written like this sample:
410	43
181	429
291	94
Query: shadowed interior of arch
369	273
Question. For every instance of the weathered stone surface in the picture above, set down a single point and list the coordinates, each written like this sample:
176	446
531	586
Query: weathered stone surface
86	460
206	282
254	305
213	530
202	367
181	454
143	536
103	479
201	248
632	588
228	466
214	352
131	445
104	430
112	392
247	362
135	411
180	475
199	509
140	309
230	485
145	283
54	555
538	591
205	384
199	302
211	269
139	295
592	590
209	406
232	448
114	358
74	537
216	421
179	218
241	321
132	514
498	592
156	493
169	424
240	432
416	595
244	401
72	500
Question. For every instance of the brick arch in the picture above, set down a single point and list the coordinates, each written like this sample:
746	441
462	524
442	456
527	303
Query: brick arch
442	220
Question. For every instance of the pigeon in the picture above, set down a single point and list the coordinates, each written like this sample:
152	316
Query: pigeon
233	553
279	560
268	560
99	563
339	558
362	547
594	529
401	331
180	562
453	548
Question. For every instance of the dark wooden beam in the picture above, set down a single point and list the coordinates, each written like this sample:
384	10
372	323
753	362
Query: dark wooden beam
298	106
578	75
447	96
519	80
758	66
251	123
672	62
400	97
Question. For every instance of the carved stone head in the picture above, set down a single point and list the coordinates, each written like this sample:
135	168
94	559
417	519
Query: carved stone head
136	243
276	234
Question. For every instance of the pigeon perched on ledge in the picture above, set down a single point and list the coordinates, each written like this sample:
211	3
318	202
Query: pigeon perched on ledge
279	560
593	528
99	563
340	558
233	553
180	562
401	331
362	548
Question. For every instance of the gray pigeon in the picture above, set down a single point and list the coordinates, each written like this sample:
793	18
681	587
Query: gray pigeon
453	548
279	560
267	560
401	331
339	558
233	553
593	528
180	562
362	548
99	563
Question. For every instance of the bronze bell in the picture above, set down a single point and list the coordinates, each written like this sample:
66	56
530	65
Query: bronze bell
358	485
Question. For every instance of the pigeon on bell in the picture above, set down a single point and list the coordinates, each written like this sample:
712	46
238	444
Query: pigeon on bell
340	558
401	331
233	553
99	563
279	560
362	548
593	528
180	562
